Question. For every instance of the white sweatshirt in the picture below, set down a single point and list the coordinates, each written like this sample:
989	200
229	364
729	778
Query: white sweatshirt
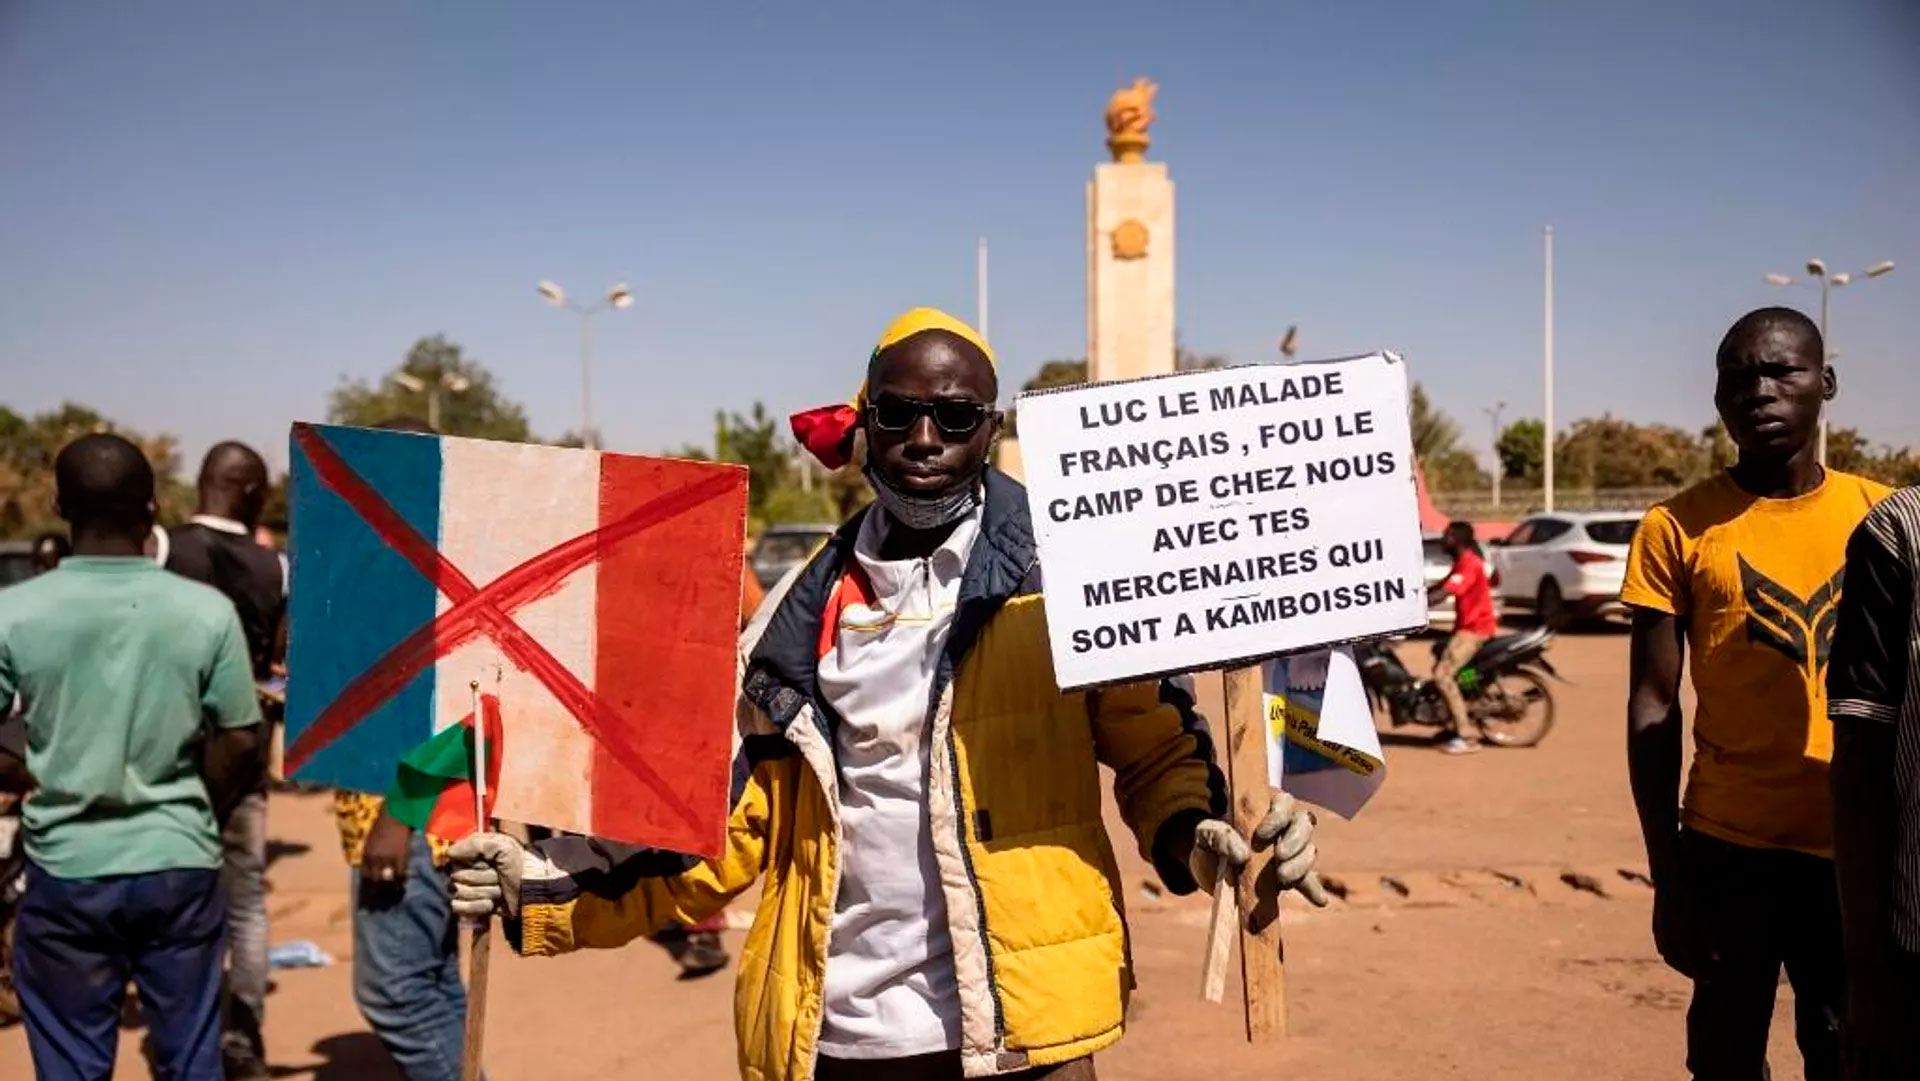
890	990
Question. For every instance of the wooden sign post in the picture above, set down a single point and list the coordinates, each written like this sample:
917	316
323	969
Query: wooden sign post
478	962
1262	956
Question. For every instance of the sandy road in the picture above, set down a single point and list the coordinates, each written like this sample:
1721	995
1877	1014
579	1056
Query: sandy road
1493	928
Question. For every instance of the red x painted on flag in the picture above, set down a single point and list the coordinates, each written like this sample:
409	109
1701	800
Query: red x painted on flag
487	610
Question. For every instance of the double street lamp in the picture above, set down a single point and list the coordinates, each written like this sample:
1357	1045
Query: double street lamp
449	381
1827	283
617	298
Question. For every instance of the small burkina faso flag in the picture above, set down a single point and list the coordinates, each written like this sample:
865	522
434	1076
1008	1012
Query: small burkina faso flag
433	788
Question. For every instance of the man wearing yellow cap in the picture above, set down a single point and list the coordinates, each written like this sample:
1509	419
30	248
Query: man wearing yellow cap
941	900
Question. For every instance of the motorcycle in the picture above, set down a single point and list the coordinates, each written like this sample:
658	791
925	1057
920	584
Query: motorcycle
1505	687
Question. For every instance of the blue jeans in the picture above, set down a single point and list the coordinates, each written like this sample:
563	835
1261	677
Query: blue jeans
78	942
406	968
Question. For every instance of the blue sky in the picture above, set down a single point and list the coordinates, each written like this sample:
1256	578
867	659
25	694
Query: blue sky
209	213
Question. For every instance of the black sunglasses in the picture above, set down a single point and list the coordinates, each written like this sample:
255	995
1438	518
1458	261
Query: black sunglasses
892	413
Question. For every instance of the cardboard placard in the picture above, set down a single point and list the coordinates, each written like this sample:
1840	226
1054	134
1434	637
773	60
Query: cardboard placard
593	597
1213	518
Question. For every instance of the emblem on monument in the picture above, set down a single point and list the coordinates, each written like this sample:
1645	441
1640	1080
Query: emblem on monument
1129	240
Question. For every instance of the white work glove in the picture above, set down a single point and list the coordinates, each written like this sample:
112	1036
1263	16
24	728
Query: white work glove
1287	829
486	875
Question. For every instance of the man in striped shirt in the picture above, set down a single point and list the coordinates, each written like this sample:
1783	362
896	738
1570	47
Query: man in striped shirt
1873	696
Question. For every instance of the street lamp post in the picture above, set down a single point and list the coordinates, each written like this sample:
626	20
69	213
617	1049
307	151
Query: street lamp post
617	298
1493	414
1546	374
450	381
1817	270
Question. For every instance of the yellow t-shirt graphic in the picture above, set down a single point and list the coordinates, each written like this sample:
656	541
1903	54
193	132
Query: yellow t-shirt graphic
1758	583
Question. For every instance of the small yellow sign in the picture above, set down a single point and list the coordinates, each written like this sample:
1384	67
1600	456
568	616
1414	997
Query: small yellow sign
1301	727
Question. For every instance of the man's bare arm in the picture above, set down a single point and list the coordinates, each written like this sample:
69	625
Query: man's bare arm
1654	749
231	763
1866	683
14	778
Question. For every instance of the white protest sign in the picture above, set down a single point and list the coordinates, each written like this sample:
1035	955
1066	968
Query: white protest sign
1211	518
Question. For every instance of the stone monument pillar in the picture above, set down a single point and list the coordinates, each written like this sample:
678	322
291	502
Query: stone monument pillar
1130	319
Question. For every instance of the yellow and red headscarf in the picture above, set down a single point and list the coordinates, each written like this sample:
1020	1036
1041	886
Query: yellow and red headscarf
828	430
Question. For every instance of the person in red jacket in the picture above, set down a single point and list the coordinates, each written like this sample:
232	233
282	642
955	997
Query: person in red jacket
1473	624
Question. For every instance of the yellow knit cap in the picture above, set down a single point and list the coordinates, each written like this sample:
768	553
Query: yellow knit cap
827	431
913	322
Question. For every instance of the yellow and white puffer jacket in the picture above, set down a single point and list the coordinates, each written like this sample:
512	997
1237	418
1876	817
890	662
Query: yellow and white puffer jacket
1032	891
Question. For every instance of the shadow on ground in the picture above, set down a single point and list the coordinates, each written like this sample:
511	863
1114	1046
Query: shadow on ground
278	850
351	1056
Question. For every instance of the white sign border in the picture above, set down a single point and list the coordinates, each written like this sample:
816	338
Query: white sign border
1391	356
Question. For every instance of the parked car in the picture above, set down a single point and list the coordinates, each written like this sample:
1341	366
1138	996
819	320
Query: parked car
784	547
1566	567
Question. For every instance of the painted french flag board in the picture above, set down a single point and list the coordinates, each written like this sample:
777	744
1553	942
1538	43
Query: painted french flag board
595	597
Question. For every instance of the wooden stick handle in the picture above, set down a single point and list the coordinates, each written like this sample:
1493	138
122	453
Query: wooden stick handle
476	1000
477	962
1221	926
1262	955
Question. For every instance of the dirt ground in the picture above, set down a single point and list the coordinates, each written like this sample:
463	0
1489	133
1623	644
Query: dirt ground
1495	927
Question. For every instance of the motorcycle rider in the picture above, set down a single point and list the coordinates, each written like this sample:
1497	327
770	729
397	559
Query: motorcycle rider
1473	624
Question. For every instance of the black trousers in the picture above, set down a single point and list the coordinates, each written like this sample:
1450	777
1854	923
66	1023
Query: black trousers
1759	910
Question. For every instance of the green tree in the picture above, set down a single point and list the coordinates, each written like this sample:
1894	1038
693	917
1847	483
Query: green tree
1051	376
753	440
1522	450
1720	450
470	402
1436	445
1058	373
1434	433
1185	360
1607	452
277	514
1898	467
28	446
1850	452
784	484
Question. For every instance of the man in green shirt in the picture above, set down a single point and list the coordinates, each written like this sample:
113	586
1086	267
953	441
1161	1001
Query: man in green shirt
142	733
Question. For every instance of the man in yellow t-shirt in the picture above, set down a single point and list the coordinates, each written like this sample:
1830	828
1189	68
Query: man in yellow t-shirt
1743	573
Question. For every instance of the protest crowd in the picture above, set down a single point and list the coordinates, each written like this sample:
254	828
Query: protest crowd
147	669
945	731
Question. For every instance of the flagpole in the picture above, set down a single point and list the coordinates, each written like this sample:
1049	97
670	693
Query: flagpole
479	761
482	927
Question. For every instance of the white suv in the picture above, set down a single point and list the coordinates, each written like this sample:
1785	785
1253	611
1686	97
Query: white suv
1566	566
